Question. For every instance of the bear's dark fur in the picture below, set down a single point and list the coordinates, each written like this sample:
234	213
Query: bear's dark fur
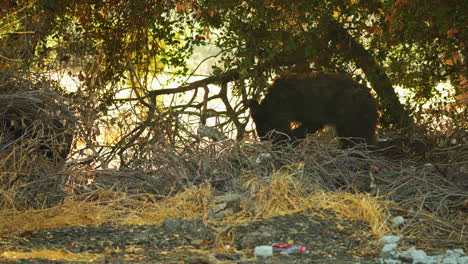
314	100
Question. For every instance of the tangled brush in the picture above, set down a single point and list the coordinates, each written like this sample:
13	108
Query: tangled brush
36	134
34	119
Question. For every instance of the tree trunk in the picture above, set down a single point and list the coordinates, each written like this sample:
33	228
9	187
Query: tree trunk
393	111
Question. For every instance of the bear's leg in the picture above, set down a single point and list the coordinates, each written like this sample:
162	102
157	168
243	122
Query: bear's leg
357	134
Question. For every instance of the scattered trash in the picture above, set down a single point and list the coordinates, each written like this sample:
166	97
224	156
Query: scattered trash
263	251
281	248
288	249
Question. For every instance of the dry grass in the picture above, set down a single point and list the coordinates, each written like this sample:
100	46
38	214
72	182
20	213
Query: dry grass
52	255
108	207
311	176
271	198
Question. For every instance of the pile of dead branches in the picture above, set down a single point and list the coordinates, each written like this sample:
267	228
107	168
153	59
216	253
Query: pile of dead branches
36	133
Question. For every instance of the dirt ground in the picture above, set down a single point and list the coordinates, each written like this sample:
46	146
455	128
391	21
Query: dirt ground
191	241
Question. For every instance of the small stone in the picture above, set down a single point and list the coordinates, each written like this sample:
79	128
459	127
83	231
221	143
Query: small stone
463	260
387	250
398	221
456	251
389	247
391	261
415	256
390	239
450	260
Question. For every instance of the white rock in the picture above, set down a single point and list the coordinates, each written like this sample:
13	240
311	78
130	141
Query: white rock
389	247
390	261
390	239
387	251
463	260
398	221
457	252
453	256
416	256
450	260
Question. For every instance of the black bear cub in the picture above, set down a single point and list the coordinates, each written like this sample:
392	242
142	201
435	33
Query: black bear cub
312	101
